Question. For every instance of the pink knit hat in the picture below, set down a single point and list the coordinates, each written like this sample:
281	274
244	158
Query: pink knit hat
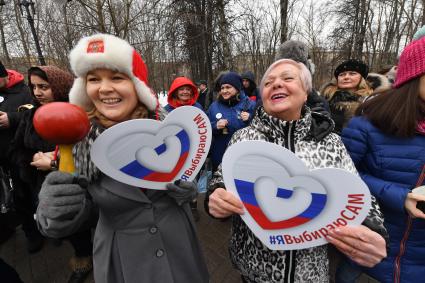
412	61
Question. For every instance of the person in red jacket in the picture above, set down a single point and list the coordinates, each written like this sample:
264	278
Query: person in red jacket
183	92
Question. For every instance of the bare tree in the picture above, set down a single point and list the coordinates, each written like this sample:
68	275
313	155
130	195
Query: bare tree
284	20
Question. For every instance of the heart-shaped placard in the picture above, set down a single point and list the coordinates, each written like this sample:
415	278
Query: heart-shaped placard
288	206
149	154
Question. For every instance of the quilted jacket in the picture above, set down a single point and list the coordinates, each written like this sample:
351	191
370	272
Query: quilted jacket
391	167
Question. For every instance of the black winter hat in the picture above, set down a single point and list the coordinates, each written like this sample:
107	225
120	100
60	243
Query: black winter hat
3	71
352	65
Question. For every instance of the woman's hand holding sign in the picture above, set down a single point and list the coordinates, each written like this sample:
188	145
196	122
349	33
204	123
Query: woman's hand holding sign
359	243
223	204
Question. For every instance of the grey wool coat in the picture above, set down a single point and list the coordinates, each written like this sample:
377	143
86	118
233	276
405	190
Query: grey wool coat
141	235
141	239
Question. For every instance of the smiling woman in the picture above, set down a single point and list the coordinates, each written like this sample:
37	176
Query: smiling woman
141	235
232	111
112	93
286	121
347	91
183	92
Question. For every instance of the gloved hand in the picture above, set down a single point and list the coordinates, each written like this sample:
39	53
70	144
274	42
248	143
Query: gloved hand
182	191
62	196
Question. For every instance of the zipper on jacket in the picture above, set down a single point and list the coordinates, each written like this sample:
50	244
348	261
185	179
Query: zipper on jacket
397	267
289	143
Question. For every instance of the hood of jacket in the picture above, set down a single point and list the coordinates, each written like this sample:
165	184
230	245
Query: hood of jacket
178	82
249	76
378	82
14	78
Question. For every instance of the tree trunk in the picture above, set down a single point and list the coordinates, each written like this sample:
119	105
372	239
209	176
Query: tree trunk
223	29
21	32
284	20
423	12
3	42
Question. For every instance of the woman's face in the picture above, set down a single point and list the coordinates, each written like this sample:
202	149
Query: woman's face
41	89
184	93
112	93
227	91
283	93
349	80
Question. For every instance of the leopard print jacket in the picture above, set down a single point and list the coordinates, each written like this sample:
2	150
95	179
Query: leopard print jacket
254	260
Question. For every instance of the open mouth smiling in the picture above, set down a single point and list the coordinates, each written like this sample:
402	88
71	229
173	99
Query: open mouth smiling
278	96
111	100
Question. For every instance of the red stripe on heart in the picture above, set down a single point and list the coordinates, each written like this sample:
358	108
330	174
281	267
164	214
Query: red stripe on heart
265	223
167	177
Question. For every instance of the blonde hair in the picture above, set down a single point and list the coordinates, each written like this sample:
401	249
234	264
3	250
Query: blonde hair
139	112
363	89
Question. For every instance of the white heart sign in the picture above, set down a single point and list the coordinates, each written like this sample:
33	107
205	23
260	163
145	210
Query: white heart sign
149	154
288	206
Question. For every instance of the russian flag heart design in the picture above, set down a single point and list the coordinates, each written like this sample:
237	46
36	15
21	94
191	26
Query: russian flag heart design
288	206
149	154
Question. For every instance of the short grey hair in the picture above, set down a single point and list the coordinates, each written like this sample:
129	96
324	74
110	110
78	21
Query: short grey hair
305	75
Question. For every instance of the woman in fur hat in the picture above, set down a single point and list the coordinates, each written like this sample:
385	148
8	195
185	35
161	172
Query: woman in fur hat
386	141
347	91
36	158
141	235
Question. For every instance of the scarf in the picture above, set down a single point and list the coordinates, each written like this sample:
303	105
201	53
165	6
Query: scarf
81	152
232	101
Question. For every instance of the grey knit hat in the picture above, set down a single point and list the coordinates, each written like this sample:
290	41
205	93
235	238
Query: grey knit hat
297	51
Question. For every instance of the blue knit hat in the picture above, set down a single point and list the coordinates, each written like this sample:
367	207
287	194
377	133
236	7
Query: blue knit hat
233	79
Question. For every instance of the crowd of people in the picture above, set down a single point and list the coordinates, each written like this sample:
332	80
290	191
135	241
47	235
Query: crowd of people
370	124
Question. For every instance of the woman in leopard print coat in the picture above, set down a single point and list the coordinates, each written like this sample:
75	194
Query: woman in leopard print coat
283	119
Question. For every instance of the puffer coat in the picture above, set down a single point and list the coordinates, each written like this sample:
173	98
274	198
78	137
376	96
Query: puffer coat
232	114
391	167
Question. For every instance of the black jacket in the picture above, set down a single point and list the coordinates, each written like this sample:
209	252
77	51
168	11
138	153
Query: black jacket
14	96
24	145
252	92
205	99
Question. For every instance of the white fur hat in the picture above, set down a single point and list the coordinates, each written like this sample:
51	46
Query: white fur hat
111	52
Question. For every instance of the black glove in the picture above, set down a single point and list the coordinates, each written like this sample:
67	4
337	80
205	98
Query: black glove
62	196
182	191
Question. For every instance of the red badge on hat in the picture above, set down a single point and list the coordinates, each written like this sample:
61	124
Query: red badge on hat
96	47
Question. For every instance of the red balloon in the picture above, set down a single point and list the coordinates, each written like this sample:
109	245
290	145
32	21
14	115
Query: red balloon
61	123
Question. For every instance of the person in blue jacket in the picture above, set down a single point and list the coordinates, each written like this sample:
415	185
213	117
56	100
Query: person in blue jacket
182	92
386	141
231	111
